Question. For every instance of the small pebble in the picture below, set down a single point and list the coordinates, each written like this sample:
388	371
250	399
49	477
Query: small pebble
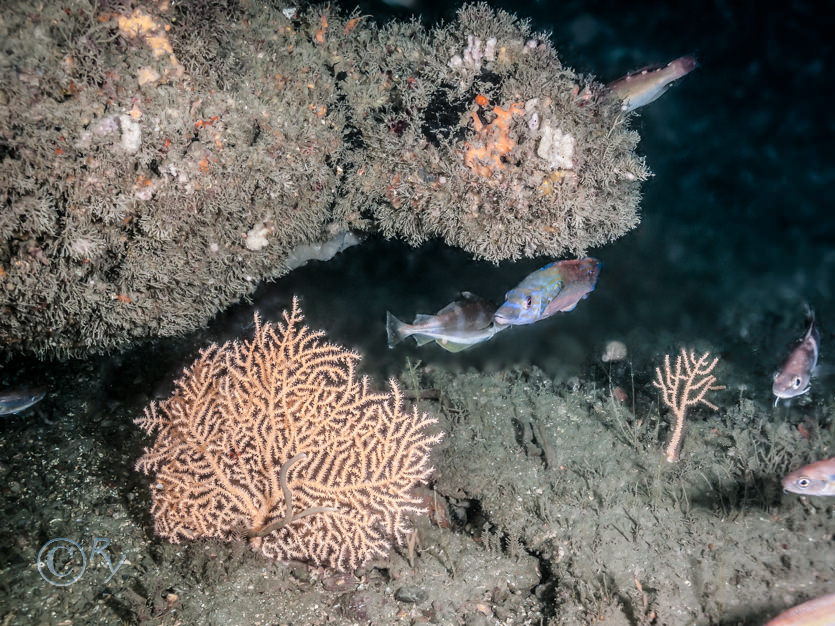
414	595
615	351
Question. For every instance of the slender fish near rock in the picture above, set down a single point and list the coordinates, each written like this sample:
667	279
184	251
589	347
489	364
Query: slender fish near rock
639	88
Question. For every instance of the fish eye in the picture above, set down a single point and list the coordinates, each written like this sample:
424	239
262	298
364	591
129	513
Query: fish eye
528	302
796	382
803	483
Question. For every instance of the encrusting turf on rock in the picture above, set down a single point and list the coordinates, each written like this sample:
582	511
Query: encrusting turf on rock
156	164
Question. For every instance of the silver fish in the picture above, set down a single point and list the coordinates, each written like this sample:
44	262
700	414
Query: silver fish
648	84
19	400
794	377
815	479
463	323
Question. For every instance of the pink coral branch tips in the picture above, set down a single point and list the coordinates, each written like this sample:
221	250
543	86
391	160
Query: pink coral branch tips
277	440
683	386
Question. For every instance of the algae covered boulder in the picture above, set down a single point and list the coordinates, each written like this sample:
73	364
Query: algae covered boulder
157	162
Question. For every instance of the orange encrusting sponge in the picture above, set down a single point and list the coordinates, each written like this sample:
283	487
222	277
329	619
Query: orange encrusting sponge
484	154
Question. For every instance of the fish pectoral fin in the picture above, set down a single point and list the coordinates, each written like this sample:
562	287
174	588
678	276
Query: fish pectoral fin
451	346
422	340
824	370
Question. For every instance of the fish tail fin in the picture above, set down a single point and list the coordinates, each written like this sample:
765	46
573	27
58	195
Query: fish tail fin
394	329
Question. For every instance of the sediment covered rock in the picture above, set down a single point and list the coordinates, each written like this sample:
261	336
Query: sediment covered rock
156	164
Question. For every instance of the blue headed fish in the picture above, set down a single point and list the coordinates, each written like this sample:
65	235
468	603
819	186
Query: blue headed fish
793	378
558	286
466	321
815	479
19	400
648	84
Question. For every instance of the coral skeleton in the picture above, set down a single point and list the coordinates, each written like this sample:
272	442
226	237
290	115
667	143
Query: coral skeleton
683	386
276	440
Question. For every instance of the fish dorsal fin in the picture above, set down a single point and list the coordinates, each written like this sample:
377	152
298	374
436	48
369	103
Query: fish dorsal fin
654	67
469	296
812	329
447	309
